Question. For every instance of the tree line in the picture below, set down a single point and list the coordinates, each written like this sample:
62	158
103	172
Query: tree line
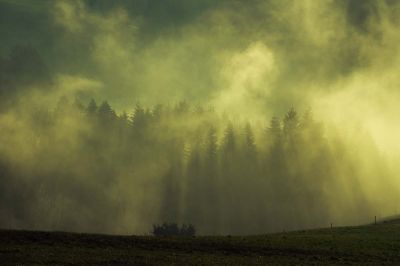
87	167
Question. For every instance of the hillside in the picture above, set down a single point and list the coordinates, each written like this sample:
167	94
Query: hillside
364	245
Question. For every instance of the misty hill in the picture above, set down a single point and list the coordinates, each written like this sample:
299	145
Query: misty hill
84	167
364	245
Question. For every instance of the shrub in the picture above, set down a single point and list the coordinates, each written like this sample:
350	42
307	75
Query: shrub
172	229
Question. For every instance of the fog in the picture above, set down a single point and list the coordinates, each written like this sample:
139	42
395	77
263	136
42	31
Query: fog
240	117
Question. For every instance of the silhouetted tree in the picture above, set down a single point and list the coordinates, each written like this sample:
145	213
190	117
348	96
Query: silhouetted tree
172	229
291	122
174	164
171	193
194	210
228	148
106	113
91	109
211	182
182	107
140	122
249	143
274	129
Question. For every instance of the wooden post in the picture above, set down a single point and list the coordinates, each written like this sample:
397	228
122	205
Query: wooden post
331	226
375	219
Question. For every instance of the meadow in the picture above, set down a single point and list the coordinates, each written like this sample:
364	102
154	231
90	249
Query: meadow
363	245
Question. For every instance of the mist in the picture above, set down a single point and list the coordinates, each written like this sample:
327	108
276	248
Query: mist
240	117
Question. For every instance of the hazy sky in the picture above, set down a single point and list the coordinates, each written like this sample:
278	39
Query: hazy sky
253	58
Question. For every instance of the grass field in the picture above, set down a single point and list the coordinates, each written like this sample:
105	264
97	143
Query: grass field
363	245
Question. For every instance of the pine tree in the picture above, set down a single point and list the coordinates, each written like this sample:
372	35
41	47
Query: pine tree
274	129
211	151
91	109
229	142
291	122
140	122
106	113
249	143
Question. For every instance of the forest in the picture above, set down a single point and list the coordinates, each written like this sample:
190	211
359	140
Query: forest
91	169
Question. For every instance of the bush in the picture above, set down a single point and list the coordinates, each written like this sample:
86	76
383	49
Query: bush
172	229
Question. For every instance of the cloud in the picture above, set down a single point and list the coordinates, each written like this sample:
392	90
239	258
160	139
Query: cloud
246	81
306	53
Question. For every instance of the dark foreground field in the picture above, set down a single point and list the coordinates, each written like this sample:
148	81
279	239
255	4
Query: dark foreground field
364	245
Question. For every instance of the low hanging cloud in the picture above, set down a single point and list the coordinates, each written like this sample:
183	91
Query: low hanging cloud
246	60
322	55
246	81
